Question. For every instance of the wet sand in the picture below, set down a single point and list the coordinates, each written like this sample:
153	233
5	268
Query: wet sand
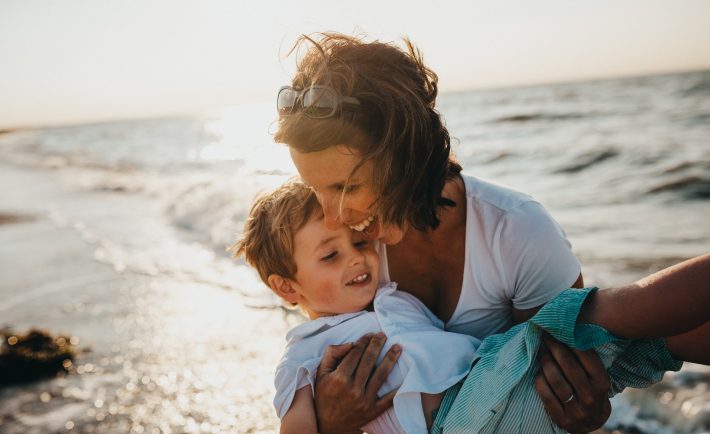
156	353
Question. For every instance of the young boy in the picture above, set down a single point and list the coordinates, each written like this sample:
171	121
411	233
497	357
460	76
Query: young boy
332	275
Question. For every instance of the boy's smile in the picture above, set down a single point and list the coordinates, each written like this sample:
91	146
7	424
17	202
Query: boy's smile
337	270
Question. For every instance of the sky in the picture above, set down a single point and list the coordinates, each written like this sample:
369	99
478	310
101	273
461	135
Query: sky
75	61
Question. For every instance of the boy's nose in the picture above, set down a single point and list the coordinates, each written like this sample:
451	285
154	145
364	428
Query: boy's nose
357	257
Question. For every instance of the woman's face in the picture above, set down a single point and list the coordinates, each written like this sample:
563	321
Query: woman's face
346	197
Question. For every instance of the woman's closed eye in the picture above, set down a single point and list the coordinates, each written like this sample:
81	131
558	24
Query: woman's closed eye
350	188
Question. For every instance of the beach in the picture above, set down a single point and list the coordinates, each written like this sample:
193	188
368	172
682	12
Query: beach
116	234
157	353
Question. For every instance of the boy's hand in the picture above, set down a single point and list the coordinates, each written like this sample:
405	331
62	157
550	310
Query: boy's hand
347	382
573	386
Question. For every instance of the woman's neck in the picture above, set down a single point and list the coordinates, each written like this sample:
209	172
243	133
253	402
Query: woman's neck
429	264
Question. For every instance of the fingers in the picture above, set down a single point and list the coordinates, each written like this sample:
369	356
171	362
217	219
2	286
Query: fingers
358	363
552	404
554	375
385	402
351	361
573	386
567	373
369	359
379	376
332	358
592	364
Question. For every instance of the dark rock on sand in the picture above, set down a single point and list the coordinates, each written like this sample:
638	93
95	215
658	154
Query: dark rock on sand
7	218
34	355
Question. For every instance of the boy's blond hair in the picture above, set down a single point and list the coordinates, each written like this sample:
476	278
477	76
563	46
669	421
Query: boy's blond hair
274	219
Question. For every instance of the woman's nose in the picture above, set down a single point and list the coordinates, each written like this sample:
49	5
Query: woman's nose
331	219
331	213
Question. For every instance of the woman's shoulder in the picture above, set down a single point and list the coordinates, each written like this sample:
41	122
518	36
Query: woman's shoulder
487	203
485	193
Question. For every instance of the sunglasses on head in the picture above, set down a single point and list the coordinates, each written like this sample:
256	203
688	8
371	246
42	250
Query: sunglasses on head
315	101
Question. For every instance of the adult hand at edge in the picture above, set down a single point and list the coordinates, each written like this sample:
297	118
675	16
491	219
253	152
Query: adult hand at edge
565	373
347	382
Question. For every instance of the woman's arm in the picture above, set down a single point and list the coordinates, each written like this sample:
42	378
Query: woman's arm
301	416
671	302
688	346
347	382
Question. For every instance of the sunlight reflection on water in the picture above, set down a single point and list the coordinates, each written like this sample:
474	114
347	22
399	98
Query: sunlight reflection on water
242	133
186	358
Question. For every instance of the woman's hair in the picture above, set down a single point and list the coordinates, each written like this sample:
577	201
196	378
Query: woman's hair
398	128
274	218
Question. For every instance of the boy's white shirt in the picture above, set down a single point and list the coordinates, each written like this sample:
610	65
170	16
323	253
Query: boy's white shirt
431	360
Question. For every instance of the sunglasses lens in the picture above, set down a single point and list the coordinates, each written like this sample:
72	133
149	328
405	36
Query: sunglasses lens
315	102
320	102
286	100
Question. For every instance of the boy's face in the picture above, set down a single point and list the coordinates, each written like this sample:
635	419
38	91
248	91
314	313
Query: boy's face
337	269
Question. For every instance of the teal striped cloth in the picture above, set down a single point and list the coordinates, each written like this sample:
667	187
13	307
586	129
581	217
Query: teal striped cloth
499	395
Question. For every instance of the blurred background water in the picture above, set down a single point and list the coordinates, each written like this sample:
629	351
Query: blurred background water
127	225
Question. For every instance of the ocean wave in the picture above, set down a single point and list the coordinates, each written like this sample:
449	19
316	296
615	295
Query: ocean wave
212	209
585	161
687	166
688	187
698	119
527	117
700	86
32	156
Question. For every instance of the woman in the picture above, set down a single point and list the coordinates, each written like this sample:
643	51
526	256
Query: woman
360	123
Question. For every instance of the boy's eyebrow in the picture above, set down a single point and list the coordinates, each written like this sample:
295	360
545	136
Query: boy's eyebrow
325	241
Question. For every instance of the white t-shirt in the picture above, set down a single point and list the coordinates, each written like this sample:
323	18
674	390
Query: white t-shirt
419	369
516	256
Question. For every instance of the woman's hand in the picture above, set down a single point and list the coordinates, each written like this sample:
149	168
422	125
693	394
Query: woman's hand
347	382
573	386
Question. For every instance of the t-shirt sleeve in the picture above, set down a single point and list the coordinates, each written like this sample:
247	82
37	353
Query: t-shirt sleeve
537	259
288	379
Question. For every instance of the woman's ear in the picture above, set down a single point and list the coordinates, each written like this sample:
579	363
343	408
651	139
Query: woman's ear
283	288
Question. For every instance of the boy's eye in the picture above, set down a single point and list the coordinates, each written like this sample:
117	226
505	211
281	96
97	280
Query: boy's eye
361	244
329	256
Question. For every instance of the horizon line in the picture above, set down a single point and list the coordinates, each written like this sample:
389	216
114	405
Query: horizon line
88	121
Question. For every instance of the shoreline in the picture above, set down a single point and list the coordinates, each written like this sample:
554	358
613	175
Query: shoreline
155	352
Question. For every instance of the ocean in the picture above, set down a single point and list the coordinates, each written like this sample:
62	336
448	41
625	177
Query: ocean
116	233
